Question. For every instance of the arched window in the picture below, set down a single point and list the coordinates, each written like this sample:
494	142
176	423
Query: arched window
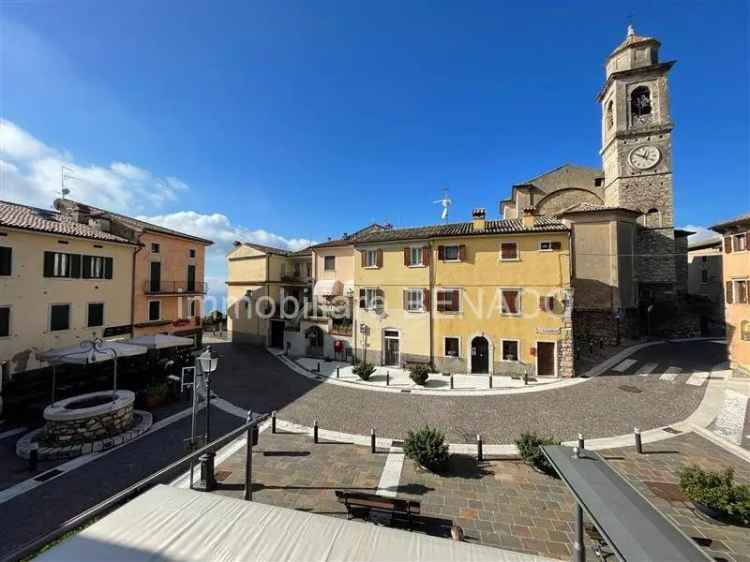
640	104
610	119
652	219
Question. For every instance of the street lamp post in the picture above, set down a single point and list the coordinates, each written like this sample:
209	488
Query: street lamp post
207	482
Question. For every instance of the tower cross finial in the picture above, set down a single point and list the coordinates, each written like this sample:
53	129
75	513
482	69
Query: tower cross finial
631	29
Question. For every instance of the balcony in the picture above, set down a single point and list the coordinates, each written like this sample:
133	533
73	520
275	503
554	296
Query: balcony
175	287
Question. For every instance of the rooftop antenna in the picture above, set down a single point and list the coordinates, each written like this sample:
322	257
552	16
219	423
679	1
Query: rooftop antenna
63	176
445	202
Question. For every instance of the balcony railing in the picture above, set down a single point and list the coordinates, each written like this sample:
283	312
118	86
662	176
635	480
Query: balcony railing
153	286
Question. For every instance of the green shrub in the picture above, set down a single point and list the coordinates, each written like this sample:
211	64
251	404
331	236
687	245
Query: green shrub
364	370
717	490
419	373
529	448
427	447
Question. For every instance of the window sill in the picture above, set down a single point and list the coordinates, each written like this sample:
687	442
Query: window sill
416	266
511	314
371	267
451	261
513	259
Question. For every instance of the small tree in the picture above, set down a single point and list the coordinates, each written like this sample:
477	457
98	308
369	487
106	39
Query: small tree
364	370
427	447
529	447
419	373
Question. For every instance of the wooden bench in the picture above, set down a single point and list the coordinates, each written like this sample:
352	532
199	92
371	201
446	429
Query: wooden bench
365	505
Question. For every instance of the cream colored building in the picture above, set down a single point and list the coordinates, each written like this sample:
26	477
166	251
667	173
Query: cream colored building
706	284
736	274
487	296
61	282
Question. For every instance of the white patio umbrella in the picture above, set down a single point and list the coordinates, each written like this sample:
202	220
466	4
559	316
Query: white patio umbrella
88	352
160	341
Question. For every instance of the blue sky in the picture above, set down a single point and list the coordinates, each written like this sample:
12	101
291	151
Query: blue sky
294	121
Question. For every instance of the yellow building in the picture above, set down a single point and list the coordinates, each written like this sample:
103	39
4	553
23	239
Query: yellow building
476	297
61	282
264	285
736	274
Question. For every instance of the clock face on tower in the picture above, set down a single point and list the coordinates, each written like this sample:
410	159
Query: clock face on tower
644	157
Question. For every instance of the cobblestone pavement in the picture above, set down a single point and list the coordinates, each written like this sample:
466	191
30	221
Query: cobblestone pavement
608	405
290	471
506	504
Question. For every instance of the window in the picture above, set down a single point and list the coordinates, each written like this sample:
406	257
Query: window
191	278
414	300
193	308
308	269
452	346
448	300
415	256
155	248
95	314
154	310
610	115
704	276
371	258
451	253
97	267
640	105
191	252
297	269
329	263
508	251
4	321
370	299
59	317
510	301
6	257
739	243
57	264
545	246
737	291
510	350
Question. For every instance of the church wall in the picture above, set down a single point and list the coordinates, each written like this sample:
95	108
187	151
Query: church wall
564	198
626	236
656	260
594	267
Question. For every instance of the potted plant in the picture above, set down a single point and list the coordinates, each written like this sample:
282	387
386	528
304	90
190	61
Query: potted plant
427	447
529	447
419	373
716	494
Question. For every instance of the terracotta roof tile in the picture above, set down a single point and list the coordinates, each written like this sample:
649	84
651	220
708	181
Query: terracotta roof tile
13	215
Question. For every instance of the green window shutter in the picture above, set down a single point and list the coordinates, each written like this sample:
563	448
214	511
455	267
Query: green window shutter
49	264
75	265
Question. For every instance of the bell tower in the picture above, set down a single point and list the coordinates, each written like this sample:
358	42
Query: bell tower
637	154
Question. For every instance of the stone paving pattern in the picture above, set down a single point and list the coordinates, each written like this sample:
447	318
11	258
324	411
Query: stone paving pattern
291	471
253	378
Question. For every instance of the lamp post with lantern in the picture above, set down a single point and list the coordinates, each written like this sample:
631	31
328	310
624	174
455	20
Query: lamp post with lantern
208	364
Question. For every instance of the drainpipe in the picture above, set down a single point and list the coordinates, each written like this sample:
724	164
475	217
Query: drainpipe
132	284
433	296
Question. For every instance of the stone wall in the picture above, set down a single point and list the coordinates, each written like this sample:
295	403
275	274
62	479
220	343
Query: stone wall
87	429
656	260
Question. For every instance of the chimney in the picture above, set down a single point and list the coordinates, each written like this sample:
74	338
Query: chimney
529	216
478	220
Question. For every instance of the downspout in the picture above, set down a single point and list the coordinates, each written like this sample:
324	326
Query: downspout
433	296
132	285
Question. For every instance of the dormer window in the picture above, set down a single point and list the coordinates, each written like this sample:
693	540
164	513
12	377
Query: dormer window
640	105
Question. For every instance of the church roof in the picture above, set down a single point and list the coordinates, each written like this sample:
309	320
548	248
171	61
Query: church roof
631	40
566	166
593	208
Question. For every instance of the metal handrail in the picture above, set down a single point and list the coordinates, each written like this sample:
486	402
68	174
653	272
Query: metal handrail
127	494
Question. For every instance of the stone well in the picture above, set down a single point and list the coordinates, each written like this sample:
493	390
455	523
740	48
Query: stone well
88	417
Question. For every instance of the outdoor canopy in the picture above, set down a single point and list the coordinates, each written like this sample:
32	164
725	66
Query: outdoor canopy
327	288
175	525
160	341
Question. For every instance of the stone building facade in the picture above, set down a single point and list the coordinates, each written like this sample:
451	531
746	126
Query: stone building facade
629	263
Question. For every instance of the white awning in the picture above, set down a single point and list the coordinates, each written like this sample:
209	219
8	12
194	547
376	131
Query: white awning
327	288
169	524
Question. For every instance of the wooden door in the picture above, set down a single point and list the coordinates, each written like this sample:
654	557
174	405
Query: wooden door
480	355
545	357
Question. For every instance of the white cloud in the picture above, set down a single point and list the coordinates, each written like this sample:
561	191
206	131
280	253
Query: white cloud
30	172
702	234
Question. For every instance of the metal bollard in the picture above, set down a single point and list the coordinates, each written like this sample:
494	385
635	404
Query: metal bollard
33	457
337	372
372	439
451	382
318	366
387	378
480	453
580	441
315	430
638	444
273	421
525	378
489	378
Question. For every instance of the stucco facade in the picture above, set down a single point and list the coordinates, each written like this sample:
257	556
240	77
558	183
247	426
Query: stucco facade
736	274
29	296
